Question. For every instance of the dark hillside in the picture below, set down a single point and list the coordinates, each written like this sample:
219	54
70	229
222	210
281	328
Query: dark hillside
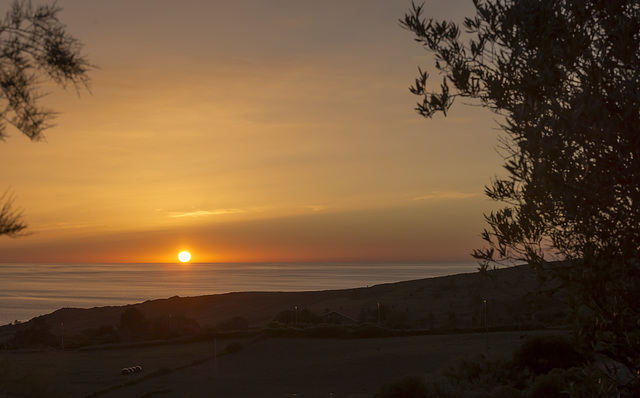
446	303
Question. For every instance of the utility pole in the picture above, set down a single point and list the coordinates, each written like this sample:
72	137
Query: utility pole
215	358
486	328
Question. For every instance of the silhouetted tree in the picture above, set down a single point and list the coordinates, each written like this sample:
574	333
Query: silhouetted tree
133	323
34	46
301	316
38	333
11	223
235	323
564	75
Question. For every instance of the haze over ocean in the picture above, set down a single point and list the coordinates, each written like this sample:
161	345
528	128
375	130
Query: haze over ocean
30	290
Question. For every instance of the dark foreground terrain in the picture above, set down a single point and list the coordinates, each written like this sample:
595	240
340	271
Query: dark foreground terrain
275	344
275	367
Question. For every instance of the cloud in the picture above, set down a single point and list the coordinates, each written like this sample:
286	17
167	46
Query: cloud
206	213
446	195
314	207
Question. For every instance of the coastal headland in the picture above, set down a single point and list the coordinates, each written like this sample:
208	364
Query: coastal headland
314	344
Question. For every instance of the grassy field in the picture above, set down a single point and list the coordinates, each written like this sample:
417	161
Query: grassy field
277	367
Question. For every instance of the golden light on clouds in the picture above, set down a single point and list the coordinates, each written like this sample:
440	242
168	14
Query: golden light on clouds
249	133
206	213
447	195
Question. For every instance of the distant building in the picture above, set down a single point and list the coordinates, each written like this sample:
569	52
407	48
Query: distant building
338	318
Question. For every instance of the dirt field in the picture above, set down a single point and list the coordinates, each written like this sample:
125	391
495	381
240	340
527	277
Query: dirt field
292	367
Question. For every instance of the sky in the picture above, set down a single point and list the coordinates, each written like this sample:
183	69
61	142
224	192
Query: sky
253	130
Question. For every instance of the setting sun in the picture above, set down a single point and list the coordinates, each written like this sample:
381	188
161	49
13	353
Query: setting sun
184	257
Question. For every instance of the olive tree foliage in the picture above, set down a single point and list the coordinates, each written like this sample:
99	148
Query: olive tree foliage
564	76
10	218
34	47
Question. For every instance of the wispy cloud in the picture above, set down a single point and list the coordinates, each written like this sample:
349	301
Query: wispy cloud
314	207
206	213
62	226
446	195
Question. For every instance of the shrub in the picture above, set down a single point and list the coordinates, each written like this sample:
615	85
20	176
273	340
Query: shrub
133	323
276	333
309	317
371	331
374	315
479	373
37	333
184	325
479	377
300	316
326	332
586	382
284	317
407	387
505	392
468	370
235	323
541	354
132	318
233	347
552	385
102	335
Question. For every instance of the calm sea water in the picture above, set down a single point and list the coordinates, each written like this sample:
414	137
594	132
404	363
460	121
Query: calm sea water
29	290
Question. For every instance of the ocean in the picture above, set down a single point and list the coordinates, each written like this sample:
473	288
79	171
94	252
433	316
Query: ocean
30	290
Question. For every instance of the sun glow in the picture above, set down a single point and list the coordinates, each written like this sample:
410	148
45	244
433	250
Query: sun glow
184	257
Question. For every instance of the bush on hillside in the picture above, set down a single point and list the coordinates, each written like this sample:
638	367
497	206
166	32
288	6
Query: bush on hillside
235	323
540	355
133	323
38	333
299	317
325	332
92	336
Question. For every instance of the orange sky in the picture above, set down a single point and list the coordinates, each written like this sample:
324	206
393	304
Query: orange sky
250	131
